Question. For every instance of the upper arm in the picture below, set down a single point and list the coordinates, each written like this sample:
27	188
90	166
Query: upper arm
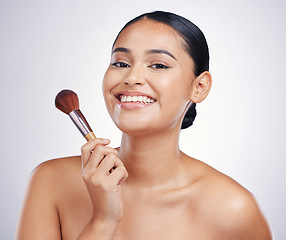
39	217
245	220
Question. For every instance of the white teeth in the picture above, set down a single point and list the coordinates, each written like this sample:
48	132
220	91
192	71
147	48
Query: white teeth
140	99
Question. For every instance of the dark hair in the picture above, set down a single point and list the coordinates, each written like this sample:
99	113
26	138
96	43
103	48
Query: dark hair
194	43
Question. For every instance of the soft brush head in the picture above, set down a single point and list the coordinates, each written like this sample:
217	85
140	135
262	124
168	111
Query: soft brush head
67	101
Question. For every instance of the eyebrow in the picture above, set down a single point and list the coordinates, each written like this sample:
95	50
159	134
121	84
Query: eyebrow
161	51
151	51
121	49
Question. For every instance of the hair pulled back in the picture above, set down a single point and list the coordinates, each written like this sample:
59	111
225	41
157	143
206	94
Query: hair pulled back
194	43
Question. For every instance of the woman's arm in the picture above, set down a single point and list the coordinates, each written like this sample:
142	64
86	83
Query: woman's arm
251	224
244	219
98	230
102	172
39	217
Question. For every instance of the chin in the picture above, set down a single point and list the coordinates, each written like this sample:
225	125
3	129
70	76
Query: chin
140	129
135	129
142	124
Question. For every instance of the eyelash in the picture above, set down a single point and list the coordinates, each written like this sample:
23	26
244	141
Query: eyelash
159	66
120	65
154	66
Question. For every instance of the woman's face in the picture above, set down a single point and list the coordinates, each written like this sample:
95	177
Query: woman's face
148	84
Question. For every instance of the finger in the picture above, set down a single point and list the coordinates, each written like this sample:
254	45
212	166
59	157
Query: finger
98	155
88	148
119	174
90	145
109	163
116	164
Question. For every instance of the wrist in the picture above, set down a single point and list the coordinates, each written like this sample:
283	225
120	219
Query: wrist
99	229
104	227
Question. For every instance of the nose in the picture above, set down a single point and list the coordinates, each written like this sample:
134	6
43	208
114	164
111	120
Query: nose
135	76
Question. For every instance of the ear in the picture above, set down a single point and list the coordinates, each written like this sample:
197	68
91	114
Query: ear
201	87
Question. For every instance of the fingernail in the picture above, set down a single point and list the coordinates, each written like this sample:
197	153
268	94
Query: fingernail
105	140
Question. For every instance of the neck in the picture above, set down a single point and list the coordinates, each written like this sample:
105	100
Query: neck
152	160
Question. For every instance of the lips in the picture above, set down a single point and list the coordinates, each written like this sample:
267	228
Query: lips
134	97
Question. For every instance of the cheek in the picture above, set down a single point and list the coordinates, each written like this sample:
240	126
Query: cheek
105	81
172	89
107	84
106	90
173	94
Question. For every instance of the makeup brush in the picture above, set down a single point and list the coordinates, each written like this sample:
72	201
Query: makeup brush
67	102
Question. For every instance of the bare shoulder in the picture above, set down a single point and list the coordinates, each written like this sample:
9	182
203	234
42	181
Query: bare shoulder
53	176
73	161
226	205
58	175
57	167
39	218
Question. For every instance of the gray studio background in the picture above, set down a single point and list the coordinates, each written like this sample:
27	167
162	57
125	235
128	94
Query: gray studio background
46	46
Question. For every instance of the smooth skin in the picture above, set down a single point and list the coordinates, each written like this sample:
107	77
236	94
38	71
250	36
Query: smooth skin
156	191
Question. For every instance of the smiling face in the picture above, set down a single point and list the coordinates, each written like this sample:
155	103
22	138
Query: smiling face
148	84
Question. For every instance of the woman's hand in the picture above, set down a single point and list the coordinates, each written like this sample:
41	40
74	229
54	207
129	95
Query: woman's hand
102	173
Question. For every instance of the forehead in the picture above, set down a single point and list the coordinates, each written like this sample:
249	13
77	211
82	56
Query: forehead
150	34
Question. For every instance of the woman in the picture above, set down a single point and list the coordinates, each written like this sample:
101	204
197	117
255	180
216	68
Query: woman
158	72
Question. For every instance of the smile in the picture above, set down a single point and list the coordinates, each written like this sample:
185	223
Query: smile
135	99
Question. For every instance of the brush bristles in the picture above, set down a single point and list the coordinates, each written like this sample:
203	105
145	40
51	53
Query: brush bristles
67	101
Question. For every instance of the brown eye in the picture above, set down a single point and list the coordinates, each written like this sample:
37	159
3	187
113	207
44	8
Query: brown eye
120	65
159	66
